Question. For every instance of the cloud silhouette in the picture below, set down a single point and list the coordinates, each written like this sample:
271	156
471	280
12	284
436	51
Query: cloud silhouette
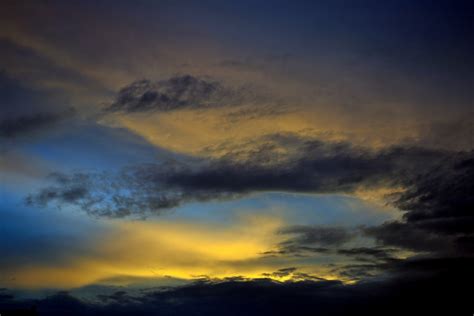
418	286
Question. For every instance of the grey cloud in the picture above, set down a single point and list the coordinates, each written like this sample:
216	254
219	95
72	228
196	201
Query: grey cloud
439	209
316	167
442	192
366	253
358	271
317	235
313	166
104	195
293	274
177	93
118	297
308	241
408	236
138	191
288	249
281	272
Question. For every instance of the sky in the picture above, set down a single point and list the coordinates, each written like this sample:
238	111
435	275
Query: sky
236	158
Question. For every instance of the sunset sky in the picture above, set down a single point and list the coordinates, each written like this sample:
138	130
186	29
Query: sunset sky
154	147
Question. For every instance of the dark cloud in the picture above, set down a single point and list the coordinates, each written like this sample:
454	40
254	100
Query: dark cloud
286	249
437	220
370	253
307	241
439	209
421	286
442	193
177	93
282	272
317	235
314	166
408	236
358	271
292	274
311	166
119	297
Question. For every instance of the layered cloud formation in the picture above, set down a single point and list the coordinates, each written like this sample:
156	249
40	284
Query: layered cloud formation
236	158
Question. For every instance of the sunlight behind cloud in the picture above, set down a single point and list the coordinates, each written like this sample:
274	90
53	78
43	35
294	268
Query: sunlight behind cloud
157	249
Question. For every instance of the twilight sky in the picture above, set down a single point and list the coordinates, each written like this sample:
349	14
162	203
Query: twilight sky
181	157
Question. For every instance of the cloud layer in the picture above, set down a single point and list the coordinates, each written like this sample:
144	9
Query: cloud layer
413	286
306	165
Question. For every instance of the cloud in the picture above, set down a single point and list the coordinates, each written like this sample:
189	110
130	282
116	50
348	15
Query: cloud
295	251
377	253
317	235
106	195
434	181
420	286
180	92
408	236
283	272
436	198
442	192
438	206
307	165
312	241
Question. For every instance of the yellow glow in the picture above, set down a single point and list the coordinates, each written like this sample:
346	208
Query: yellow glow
176	249
202	132
193	132
156	249
378	195
150	251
